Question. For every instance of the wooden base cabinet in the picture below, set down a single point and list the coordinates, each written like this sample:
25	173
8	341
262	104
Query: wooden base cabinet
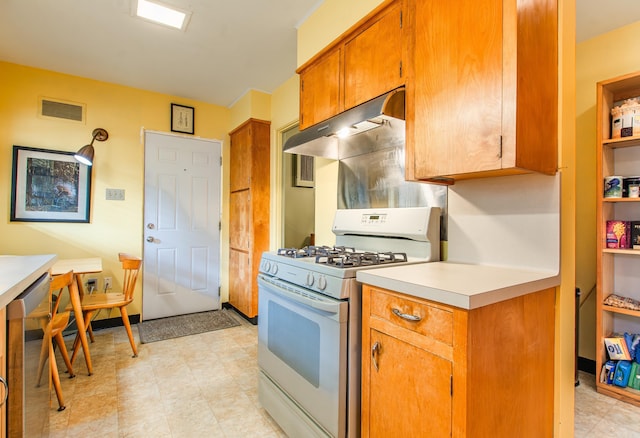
248	212
434	370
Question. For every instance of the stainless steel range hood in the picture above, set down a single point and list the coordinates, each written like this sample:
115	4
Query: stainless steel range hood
333	137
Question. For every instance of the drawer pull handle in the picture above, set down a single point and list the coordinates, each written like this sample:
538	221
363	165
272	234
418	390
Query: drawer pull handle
375	348
406	316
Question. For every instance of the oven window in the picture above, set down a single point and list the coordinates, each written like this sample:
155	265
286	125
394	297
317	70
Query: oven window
296	341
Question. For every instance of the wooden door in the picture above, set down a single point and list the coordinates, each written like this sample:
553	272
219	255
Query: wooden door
181	225
455	85
409	390
373	59
240	281
320	89
240	160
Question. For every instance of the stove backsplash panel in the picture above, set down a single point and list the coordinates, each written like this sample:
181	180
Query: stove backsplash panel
374	176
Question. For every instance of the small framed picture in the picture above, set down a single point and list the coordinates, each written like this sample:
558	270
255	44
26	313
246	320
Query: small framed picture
49	186
182	118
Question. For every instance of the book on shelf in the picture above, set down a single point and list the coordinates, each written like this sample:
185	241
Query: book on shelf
618	234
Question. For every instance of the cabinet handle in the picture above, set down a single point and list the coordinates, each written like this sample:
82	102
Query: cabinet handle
6	391
375	348
408	317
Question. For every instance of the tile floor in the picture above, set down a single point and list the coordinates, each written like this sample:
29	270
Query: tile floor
205	385
196	386
600	416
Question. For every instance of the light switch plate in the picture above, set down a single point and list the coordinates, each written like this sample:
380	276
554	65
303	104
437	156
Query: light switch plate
115	194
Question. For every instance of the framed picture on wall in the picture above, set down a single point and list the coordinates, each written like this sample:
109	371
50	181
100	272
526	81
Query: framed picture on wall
182	118
303	171
49	186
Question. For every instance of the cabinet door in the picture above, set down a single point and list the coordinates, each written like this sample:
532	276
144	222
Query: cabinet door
240	159
454	119
239	220
409	391
240	281
373	60
320	90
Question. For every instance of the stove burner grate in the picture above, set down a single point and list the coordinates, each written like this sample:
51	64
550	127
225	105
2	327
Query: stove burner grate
356	259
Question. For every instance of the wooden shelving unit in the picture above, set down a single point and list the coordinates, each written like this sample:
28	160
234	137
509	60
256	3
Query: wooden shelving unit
618	270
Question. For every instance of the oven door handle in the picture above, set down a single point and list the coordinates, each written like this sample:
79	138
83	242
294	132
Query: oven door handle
332	307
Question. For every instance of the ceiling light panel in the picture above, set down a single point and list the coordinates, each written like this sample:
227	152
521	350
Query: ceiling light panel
161	13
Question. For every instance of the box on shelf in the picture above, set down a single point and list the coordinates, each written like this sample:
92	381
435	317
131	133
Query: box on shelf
635	234
613	186
617	349
634	376
618	234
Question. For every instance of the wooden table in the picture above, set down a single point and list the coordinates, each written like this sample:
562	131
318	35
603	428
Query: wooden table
79	267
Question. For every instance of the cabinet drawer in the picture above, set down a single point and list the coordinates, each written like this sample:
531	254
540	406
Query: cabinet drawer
434	321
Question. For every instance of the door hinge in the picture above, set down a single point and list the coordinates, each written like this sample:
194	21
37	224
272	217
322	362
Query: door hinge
301	85
220	161
500	150
219	225
451	386
400	68
400	19
219	291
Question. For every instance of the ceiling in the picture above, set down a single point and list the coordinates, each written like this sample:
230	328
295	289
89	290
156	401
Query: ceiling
228	48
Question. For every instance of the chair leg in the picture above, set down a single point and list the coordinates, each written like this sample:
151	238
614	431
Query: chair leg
65	355
53	368
90	330
76	342
125	321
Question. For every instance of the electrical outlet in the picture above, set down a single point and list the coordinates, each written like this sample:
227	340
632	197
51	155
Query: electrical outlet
92	284
107	283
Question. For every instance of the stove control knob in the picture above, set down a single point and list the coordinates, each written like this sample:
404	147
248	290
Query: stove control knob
322	282
310	279
274	269
266	265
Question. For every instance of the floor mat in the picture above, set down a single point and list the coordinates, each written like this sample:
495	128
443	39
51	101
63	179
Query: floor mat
184	325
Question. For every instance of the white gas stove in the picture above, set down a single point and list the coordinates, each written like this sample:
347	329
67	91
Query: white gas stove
309	316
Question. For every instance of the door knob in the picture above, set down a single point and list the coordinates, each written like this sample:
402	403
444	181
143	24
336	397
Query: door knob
150	239
150	226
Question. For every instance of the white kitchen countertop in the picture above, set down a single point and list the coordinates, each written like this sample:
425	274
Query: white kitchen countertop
467	286
19	272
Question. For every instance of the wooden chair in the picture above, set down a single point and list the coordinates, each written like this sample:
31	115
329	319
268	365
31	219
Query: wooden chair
92	303
53	328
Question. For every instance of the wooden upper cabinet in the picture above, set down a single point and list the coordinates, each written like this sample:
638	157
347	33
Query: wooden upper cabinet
373	58
482	89
363	63
320	89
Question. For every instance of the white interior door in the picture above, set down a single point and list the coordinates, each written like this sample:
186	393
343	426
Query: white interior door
181	225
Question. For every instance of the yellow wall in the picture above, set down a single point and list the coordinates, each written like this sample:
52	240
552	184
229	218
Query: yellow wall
115	225
564	362
604	57
253	104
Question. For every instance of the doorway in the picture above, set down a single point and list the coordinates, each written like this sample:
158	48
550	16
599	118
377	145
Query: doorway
298	196
181	225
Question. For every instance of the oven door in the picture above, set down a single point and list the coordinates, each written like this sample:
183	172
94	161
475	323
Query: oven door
302	349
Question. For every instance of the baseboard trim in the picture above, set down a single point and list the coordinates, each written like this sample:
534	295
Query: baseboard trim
587	365
253	320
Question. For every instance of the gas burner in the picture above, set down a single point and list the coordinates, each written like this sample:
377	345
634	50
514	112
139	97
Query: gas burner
354	259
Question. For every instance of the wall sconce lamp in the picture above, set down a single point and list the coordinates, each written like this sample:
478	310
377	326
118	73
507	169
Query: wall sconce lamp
85	154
